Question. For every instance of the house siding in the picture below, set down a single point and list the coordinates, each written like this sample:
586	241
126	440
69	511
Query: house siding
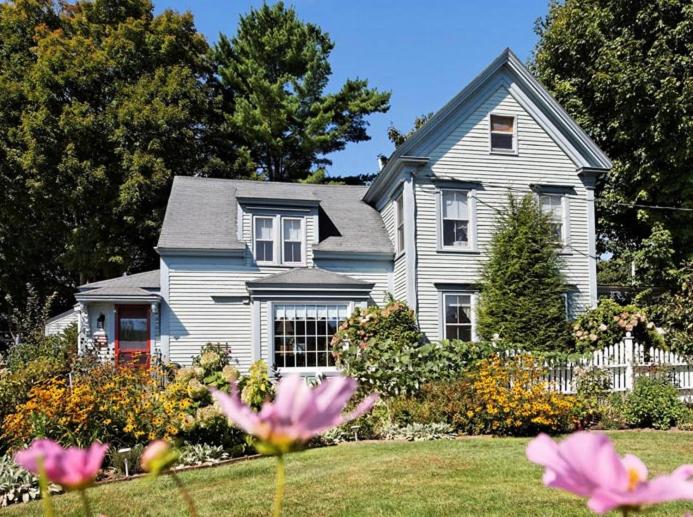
464	155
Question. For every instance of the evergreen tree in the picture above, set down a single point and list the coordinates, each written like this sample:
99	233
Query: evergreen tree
274	72
522	289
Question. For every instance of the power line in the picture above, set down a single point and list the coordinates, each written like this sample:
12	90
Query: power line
654	207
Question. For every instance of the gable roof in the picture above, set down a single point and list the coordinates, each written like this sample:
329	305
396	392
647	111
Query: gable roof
201	215
569	135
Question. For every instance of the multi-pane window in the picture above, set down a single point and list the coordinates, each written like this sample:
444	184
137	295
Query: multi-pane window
552	205
264	239
292	240
502	133
302	334
399	214
458	316
455	218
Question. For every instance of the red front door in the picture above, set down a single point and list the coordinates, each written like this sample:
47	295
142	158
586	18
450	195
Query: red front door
132	335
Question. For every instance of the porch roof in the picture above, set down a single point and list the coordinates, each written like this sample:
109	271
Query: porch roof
118	294
313	277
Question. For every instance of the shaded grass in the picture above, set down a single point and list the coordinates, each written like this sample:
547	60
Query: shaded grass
466	477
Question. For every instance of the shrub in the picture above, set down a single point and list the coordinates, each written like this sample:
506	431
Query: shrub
257	387
17	485
503	396
593	388
522	288
202	454
119	406
608	323
654	402
419	432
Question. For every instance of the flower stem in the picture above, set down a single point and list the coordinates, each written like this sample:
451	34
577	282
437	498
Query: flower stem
85	503
45	491
185	494
281	482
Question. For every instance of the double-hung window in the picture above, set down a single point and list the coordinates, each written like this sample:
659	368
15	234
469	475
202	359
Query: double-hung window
292	240
553	205
399	221
455	218
264	239
503	135
303	334
458	316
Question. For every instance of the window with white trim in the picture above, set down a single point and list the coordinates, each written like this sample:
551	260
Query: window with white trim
292	240
399	222
554	206
455	218
457	314
502	133
264	239
303	334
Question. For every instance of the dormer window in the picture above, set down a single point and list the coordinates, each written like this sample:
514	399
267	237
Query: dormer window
264	239
503	134
279	240
292	240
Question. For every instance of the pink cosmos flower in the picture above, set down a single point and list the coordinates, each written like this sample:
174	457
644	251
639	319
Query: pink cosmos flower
587	464
298	412
73	468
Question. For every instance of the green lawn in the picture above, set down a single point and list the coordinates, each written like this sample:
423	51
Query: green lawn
471	476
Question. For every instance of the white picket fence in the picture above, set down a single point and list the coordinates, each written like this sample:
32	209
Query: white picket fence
625	361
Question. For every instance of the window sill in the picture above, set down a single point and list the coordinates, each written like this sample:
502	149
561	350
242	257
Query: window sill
280	265
398	255
461	251
503	153
309	371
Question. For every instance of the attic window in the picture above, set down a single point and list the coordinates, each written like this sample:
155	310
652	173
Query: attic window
503	134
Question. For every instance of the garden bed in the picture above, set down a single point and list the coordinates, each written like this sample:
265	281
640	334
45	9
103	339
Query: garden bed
469	476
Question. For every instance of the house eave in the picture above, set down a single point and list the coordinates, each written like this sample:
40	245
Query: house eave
377	256
86	298
391	169
200	252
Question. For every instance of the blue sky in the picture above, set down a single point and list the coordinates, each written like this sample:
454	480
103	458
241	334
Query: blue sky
424	52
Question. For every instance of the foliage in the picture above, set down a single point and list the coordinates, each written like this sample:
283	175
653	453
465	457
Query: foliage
100	105
382	348
503	396
202	454
398	137
674	311
17	485
27	322
592	386
608	323
654	402
522	289
215	361
117	459
117	406
60	347
623	71
274	72
257	387
419	432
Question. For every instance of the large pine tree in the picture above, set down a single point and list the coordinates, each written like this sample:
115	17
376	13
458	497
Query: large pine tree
522	289
275	71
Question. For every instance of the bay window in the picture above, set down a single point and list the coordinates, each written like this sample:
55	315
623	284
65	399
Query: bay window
303	334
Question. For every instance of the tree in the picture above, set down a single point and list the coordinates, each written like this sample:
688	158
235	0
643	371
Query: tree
275	71
101	103
397	137
522	289
624	71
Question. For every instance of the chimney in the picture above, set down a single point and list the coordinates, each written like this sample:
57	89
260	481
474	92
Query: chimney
382	161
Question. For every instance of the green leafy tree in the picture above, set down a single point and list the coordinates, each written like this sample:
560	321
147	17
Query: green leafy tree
522	289
624	71
101	103
275	71
398	137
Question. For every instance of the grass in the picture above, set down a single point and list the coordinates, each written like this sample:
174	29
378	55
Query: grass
470	476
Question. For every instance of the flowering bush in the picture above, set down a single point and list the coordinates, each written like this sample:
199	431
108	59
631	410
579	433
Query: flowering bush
257	387
608	323
121	406
499	396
